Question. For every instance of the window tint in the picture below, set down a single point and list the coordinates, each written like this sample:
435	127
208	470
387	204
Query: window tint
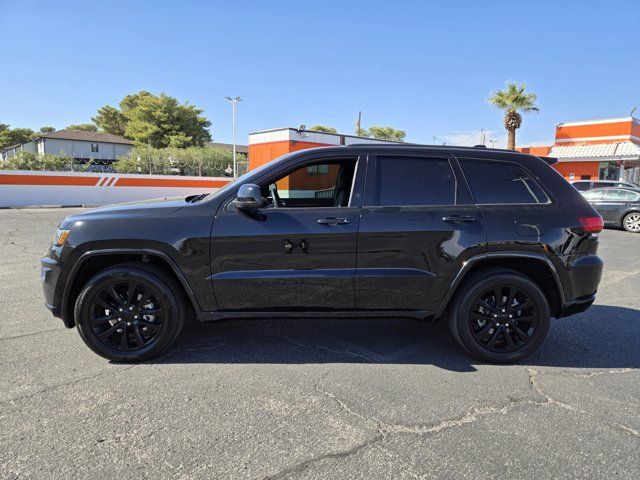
581	186
501	183
414	181
620	195
594	195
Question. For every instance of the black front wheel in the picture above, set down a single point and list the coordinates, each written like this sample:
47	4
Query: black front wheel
130	312
500	316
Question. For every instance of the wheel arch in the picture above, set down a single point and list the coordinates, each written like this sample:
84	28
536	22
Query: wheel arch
92	261
525	263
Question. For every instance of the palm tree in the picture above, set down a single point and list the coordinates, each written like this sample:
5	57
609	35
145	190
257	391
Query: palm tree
513	100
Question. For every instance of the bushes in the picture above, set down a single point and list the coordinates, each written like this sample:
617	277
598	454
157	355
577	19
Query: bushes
32	161
198	161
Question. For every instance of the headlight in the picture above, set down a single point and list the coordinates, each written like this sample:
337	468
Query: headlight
60	237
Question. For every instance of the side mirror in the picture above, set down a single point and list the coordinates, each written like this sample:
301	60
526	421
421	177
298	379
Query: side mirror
249	197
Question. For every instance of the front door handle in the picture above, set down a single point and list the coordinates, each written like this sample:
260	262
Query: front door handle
459	218
333	221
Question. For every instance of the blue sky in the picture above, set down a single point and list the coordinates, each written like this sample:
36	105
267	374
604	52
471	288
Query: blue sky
426	67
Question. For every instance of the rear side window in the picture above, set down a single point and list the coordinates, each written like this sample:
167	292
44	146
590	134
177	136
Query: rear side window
414	181
498	183
620	195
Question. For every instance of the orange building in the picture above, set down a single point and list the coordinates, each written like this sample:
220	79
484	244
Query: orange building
606	149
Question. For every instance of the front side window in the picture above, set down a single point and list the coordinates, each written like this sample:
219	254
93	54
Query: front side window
593	195
413	181
324	184
500	183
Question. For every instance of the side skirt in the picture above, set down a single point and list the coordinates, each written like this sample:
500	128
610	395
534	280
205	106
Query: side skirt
212	317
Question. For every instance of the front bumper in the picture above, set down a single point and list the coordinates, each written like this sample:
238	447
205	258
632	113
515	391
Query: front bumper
52	282
578	305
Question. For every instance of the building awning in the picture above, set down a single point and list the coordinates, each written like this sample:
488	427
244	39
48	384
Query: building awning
601	152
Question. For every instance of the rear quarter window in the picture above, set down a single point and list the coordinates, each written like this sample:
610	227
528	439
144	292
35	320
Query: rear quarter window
499	183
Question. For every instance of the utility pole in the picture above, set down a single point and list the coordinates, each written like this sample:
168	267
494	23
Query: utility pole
482	139
234	101
359	123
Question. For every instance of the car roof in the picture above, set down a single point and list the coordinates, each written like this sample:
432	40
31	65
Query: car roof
477	151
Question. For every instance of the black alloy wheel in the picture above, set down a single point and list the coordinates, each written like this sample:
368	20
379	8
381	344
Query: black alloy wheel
503	319
130	312
499	316
127	315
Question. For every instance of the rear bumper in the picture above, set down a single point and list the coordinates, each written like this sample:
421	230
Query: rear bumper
584	276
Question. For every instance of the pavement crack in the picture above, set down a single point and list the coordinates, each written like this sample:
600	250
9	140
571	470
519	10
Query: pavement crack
533	380
304	465
31	334
66	384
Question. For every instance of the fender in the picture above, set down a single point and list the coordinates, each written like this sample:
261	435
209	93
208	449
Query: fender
485	256
119	251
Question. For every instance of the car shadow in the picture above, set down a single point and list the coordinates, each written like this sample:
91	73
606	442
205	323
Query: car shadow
603	337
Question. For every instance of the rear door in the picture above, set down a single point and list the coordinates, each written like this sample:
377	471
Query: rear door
418	226
513	203
615	202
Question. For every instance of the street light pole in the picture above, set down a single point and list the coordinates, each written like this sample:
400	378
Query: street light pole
234	101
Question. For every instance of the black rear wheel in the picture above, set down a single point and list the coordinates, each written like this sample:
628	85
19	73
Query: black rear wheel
500	316
130	313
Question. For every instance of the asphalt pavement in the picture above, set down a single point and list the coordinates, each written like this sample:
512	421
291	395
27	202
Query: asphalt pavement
321	398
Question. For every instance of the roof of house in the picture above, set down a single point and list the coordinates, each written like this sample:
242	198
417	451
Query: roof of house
84	136
229	146
620	150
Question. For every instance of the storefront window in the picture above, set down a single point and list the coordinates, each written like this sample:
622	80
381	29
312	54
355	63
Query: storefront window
609	171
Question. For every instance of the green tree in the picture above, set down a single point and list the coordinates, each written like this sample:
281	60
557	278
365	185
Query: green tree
323	128
110	120
9	136
85	127
159	121
45	130
386	133
513	100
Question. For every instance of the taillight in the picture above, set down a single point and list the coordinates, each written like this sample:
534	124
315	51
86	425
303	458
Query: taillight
591	224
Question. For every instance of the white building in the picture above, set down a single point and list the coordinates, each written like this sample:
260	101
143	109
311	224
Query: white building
82	146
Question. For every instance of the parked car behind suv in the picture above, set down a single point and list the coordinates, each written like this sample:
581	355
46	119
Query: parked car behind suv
584	185
494	242
619	207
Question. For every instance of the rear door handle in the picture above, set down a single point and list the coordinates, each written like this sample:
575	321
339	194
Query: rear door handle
459	218
333	221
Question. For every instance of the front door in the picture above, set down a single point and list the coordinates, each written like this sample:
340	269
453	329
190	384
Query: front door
418	226
299	250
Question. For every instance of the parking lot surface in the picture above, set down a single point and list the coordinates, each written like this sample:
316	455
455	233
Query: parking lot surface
376	398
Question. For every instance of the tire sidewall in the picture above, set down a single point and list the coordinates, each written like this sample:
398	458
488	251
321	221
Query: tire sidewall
171	324
463	307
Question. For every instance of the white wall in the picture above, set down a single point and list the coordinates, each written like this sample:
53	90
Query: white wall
32	188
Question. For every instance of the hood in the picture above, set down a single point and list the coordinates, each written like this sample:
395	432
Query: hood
152	207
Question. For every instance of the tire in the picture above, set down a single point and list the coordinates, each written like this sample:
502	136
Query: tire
130	312
631	222
483	326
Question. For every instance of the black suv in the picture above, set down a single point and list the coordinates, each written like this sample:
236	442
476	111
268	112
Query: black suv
495	242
